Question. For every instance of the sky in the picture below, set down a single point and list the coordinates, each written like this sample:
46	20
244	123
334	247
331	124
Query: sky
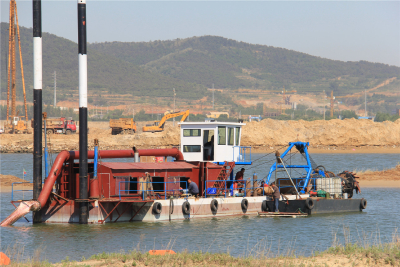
339	30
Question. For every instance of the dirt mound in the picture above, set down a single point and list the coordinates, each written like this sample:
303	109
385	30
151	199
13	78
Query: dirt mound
7	180
348	132
265	134
390	174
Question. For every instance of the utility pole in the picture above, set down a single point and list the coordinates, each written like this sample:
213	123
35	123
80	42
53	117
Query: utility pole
365	104
324	103
133	113
174	106
213	95
55	88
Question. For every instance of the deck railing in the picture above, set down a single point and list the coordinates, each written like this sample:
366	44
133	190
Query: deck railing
157	191
21	190
227	190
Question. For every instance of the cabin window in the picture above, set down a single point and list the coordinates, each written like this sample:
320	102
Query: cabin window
231	136
237	136
158	184
191	148
221	135
183	182
133	185
191	132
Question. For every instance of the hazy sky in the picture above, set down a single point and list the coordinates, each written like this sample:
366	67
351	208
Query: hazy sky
340	30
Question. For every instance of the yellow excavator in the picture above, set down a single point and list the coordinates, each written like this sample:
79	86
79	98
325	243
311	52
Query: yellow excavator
158	126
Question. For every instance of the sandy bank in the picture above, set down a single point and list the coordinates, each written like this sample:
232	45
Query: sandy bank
334	136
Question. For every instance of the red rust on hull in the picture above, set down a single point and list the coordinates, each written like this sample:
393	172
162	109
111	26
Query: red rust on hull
58	169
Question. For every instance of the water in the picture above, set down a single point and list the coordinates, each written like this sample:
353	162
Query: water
245	235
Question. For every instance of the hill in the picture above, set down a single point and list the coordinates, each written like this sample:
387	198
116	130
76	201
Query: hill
143	72
107	74
232	64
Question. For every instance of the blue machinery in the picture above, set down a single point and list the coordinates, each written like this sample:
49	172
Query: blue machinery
302	148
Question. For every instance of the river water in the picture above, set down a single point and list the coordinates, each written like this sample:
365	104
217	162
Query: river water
240	236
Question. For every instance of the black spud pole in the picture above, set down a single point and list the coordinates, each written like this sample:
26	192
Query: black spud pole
83	147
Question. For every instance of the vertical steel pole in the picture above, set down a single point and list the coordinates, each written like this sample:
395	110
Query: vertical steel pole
37	104
83	143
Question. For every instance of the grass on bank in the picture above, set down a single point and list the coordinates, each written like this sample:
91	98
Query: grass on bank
339	255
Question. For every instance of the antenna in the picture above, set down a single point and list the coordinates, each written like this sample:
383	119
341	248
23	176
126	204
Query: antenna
213	95
55	88
365	104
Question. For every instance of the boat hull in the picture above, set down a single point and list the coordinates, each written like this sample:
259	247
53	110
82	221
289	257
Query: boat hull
108	211
321	205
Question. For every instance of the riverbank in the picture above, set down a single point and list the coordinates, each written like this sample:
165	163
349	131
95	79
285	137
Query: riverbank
333	136
344	256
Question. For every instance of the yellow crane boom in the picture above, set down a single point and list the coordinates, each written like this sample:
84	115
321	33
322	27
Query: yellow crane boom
158	126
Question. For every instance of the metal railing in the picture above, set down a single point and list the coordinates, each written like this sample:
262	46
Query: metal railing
225	189
143	191
21	190
244	154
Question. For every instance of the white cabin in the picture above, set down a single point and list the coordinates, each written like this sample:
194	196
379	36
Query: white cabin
213	141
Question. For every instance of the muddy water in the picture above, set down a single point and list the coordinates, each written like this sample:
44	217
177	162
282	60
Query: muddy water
246	235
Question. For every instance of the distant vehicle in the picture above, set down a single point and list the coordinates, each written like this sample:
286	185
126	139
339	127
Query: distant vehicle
122	125
59	125
255	118
158	126
366	118
17	125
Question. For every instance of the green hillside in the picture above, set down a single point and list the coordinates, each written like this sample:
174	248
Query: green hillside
106	73
231	64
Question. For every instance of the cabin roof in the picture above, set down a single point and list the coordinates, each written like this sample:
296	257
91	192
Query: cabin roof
147	166
212	123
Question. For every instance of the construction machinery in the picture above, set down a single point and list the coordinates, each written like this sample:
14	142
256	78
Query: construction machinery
14	123
158	126
60	125
122	125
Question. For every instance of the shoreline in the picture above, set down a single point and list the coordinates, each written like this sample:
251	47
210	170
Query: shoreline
255	150
385	254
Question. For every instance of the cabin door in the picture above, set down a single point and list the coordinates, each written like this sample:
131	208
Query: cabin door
208	145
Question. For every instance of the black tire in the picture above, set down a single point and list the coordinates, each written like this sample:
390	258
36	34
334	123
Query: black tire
157	208
363	203
264	206
68	132
186	208
245	204
309	203
214	205
49	131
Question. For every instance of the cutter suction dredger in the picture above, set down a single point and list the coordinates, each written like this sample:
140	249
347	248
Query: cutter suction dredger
132	191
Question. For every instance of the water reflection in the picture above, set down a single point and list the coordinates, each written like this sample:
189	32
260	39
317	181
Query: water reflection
243	235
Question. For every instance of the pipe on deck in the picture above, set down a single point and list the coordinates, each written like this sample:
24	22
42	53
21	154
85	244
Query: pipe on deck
64	156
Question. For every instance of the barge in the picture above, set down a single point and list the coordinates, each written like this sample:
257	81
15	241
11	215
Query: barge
157	191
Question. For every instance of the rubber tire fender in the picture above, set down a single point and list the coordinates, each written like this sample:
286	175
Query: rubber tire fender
264	206
214	205
309	203
186	208
157	208
363	203
244	204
